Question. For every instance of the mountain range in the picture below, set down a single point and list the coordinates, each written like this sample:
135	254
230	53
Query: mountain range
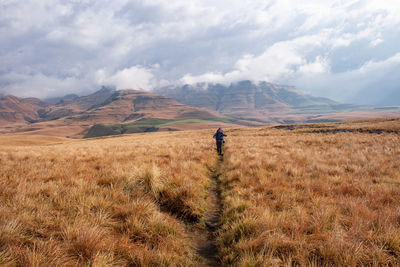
108	111
262	101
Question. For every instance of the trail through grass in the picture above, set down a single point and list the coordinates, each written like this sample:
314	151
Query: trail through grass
204	238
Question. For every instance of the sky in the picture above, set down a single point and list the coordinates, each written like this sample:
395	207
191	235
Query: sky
345	50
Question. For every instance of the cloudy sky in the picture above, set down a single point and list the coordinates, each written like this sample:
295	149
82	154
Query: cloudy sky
348	50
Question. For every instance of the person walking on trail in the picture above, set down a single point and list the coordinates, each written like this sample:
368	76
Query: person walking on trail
219	137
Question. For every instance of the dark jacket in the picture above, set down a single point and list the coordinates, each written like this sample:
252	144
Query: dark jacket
219	136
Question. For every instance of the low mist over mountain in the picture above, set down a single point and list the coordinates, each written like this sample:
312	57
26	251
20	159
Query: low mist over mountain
56	100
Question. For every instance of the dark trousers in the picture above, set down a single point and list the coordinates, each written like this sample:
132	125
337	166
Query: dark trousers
219	147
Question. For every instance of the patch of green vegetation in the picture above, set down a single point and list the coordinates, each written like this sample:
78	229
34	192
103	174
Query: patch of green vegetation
145	125
98	130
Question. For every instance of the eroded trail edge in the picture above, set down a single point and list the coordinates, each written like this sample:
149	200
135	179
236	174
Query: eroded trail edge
204	238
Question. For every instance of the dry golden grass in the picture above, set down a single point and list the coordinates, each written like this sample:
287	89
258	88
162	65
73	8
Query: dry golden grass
290	197
385	125
103	202
388	124
33	140
321	199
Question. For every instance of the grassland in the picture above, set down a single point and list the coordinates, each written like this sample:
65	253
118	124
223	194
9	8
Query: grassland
311	194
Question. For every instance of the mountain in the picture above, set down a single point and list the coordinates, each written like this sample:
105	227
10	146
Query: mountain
108	108
15	110
130	105
71	105
249	100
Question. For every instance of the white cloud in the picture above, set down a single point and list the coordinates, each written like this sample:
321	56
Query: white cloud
376	66
318	66
376	42
136	77
41	86
278	62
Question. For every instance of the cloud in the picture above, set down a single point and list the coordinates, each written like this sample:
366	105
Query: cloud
54	47
42	86
372	83
277	63
136	77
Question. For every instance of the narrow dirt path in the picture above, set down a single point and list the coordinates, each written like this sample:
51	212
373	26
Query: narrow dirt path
203	238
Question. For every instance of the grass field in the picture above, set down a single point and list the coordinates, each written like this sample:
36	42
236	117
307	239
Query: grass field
311	194
299	197
114	201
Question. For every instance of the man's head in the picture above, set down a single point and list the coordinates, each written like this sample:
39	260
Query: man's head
219	129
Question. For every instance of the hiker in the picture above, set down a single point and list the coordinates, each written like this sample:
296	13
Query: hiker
219	137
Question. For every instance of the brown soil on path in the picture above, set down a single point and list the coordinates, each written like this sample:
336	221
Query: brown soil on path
203	237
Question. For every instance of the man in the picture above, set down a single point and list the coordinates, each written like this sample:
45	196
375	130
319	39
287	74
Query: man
219	137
